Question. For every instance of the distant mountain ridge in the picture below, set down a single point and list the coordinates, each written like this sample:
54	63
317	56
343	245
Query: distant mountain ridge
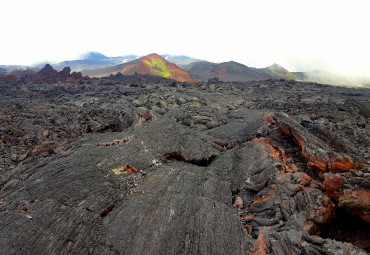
180	60
94	56
177	67
197	70
92	60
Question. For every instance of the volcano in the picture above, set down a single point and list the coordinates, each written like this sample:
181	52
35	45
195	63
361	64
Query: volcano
151	64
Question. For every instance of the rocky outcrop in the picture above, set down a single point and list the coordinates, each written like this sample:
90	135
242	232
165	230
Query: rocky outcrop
48	72
320	157
65	73
50	75
333	184
317	153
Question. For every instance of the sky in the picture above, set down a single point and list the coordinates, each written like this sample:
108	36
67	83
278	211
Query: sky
300	35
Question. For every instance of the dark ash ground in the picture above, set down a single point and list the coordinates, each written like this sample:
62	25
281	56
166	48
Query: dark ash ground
141	167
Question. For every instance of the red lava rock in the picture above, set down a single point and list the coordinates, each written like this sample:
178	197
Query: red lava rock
357	202
279	154
317	157
130	169
120	170
274	151
316	162
259	247
248	229
270	118
248	217
342	164
305	179
265	198
332	184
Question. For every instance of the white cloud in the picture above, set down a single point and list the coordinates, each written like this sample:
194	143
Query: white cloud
301	35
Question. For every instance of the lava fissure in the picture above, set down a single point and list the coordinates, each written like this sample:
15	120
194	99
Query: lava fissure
203	162
106	211
316	152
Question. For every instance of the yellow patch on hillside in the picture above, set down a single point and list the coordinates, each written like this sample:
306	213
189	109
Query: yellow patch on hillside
158	67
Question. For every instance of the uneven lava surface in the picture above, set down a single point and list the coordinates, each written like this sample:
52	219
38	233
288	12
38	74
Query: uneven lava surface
110	166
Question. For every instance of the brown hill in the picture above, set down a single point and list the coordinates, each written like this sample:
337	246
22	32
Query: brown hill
278	72
151	64
228	71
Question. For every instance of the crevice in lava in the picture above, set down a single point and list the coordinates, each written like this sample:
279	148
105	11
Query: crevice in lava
203	162
288	147
294	150
107	210
347	228
175	156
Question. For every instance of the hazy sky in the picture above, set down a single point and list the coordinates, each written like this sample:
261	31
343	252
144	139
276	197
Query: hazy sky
299	35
